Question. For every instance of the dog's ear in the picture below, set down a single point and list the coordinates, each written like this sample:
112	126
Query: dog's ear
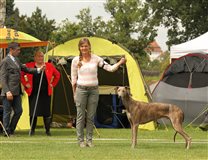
127	87
128	90
116	88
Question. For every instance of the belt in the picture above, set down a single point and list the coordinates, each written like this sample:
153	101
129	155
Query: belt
87	87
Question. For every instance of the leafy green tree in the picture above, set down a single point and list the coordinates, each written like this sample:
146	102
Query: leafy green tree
144	61
86	26
185	19
39	26
130	27
12	15
85	22
99	27
129	24
165	61
65	31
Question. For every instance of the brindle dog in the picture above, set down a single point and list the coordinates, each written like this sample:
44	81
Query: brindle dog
141	112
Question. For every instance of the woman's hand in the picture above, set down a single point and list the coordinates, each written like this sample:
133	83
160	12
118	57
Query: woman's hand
28	85
122	60
51	85
74	91
43	67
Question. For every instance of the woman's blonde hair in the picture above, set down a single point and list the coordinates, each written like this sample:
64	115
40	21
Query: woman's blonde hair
82	41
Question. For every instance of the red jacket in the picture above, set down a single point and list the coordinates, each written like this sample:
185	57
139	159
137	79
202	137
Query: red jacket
52	75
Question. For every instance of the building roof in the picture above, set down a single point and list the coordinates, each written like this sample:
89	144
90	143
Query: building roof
154	47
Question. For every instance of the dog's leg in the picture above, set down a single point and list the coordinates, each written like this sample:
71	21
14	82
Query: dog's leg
131	124
136	132
177	125
132	132
188	140
134	135
186	137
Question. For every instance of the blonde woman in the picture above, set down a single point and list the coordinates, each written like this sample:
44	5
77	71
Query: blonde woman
85	88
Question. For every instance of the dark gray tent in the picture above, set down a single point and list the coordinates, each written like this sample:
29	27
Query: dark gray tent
185	83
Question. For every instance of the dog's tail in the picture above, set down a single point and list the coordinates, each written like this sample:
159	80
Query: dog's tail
175	136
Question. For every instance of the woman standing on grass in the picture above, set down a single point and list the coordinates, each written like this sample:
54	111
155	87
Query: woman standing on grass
31	84
85	88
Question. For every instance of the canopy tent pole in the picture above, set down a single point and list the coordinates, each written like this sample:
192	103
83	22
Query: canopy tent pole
191	72
199	115
4	129
65	96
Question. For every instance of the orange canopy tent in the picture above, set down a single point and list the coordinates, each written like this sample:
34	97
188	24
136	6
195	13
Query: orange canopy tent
8	35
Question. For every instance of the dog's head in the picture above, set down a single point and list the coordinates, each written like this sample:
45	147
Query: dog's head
123	91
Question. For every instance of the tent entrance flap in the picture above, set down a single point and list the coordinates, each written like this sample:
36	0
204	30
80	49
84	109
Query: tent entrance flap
63	103
110	112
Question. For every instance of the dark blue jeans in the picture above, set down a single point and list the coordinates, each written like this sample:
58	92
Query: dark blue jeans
10	121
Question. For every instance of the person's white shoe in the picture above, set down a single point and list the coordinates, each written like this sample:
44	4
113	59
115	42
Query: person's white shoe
82	145
89	144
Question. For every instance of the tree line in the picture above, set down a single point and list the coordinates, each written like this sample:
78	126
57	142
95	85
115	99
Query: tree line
133	23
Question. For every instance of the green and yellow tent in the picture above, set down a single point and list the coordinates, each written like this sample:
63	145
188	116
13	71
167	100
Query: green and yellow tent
107	81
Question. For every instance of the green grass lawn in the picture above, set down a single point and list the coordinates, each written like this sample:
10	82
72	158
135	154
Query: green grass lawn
111	145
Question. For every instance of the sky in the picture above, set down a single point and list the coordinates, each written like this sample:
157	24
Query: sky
62	9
